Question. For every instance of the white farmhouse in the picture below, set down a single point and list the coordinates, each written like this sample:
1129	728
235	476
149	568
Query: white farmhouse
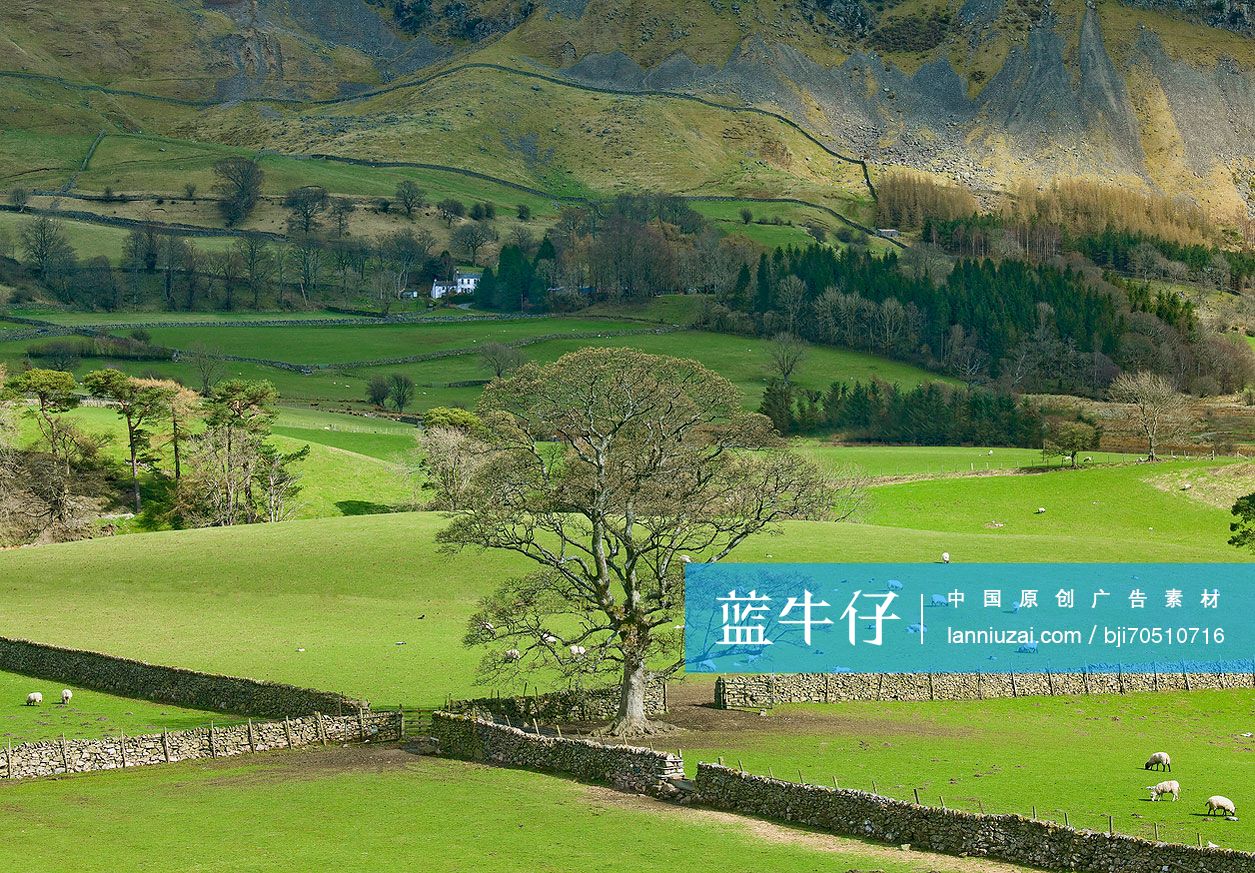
460	284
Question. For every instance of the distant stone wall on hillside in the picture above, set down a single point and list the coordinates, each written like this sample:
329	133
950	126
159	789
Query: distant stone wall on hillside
53	757
769	689
175	685
629	768
597	704
1012	838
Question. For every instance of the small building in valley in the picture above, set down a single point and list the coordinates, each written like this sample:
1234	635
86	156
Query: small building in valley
463	283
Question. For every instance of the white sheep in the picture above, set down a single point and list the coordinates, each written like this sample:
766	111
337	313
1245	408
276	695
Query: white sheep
513	654
945	557
578	651
1169	787
66	696
34	699
1040	510
1220	803
1159	761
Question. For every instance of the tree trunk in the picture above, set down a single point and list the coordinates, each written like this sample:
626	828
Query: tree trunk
631	720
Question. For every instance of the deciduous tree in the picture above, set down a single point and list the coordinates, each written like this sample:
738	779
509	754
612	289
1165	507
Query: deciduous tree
650	463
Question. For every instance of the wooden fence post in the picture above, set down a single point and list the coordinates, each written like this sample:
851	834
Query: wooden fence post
322	730
361	724
252	742
121	745
287	729
213	751
65	762
8	758
165	745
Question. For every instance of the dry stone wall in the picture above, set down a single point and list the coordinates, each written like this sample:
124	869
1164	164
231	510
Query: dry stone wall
769	689
597	704
1006	837
628	768
53	757
127	678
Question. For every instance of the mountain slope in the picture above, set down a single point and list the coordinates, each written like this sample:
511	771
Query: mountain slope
989	92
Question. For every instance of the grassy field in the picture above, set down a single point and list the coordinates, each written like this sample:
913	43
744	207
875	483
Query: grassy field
105	319
88	715
885	461
1079	755
340	344
347	590
746	361
366	808
351	468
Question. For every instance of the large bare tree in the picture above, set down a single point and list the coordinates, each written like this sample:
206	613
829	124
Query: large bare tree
608	469
1154	405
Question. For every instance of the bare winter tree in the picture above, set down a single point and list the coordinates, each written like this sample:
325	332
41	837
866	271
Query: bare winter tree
237	182
787	352
603	469
207	363
452	458
500	358
1154	404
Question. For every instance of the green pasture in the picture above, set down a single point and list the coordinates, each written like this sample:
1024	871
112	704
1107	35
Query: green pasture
350	469
88	715
1079	755
335	344
365	808
348	590
921	461
1115	501
107	319
746	361
32	159
91	240
133	163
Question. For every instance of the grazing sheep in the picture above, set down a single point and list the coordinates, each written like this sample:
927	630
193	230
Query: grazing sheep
513	654
1169	787
66	696
34	699
577	651
1040	510
1220	803
945	557
1159	761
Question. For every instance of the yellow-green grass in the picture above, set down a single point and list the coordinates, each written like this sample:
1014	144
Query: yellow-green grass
569	141
368	808
346	472
91	240
681	309
916	461
792	229
336	344
347	590
746	361
107	319
1119	501
133	163
1080	755
88	715
378	438
33	159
